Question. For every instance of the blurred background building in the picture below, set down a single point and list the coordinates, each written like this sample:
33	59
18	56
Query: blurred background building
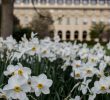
75	17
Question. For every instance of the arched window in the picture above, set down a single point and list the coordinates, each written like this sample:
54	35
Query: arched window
51	1
101	2
84	35
76	35
51	34
93	2
60	34
76	2
68	2
60	1
85	2
43	1
68	35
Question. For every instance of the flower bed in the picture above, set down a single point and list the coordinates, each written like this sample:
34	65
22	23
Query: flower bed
51	70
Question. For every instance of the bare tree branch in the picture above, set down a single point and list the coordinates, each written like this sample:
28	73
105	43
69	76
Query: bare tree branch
43	17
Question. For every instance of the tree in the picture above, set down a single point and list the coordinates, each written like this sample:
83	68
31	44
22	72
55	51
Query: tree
7	18
0	18
42	23
97	29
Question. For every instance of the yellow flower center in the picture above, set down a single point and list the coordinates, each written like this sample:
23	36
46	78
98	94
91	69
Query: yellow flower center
3	96
89	71
34	49
77	75
20	72
103	88
29	82
93	60
44	52
77	65
40	86
17	89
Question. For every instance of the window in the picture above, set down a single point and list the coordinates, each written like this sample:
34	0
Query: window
84	35
101	2
68	35
51	1
109	21
108	2
85	2
93	21
51	35
26	1
102	20
76	34
85	21
26	20
60	21
76	1
93	2
60	34
60	1
68	2
76	21
68	21
35	1
18	1
43	1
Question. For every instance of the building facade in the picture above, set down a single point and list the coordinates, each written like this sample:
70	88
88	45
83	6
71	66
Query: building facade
77	16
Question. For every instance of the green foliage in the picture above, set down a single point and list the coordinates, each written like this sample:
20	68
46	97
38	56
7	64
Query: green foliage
42	23
97	29
19	32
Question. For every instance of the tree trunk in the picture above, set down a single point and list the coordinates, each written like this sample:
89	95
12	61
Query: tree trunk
7	18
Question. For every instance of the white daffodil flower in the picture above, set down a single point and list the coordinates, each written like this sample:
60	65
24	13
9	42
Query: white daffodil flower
88	70
100	87
41	84
16	89
77	74
18	70
10	70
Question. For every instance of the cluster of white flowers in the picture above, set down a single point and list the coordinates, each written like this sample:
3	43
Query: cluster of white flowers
21	82
85	62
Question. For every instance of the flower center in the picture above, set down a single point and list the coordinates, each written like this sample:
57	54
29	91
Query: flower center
17	89
93	60
20	72
89	71
40	86
103	88
44	52
29	82
3	96
34	49
77	75
77	65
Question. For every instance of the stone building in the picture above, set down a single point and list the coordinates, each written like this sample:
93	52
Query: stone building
77	16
